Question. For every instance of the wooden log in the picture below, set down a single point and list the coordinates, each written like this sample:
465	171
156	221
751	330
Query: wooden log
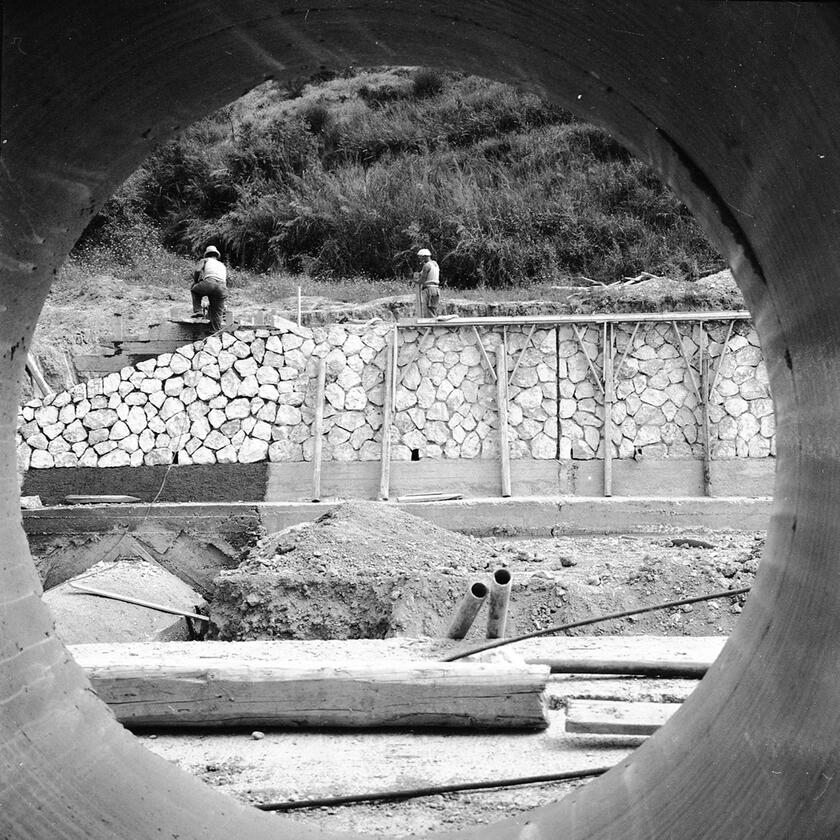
502	407
178	685
387	417
318	431
602	717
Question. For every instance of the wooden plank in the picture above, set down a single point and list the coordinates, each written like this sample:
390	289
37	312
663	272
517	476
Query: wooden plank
522	353
571	652
387	417
318	430
502	408
430	497
484	353
719	365
687	657
186	688
627	349
600	318
603	717
687	361
592	368
100	500
562	654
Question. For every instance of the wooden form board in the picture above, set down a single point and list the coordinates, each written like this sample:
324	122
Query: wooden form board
603	717
600	318
686	656
182	686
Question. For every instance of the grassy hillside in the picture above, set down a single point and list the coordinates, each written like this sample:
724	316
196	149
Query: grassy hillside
332	186
348	177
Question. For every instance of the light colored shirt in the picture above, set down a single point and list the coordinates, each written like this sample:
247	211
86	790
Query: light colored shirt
430	274
212	269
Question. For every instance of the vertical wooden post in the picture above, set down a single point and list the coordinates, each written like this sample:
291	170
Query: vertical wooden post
704	407
71	368
502	406
608	405
299	313
387	416
318	431
557	385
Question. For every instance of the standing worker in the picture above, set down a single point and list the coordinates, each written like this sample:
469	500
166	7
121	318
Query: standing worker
210	281
429	280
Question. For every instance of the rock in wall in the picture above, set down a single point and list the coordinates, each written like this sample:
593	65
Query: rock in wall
249	396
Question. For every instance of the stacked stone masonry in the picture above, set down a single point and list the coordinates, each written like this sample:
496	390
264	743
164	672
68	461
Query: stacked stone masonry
250	396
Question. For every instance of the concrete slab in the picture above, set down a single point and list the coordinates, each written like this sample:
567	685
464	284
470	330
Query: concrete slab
533	516
480	478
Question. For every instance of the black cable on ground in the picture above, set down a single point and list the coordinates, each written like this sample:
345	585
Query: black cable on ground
431	790
559	628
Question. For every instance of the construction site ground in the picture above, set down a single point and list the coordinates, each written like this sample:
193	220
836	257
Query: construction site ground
271	766
600	574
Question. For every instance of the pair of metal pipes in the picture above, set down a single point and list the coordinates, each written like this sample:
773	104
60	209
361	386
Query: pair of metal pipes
477	594
736	107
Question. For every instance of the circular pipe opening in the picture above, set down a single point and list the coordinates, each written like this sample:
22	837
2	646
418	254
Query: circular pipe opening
479	590
757	140
502	577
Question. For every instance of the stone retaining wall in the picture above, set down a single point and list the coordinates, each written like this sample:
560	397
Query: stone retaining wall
249	396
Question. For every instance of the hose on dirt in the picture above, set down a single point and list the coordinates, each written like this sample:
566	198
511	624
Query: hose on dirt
431	790
559	628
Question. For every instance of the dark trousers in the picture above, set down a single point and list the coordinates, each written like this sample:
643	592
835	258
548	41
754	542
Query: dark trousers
430	296
216	293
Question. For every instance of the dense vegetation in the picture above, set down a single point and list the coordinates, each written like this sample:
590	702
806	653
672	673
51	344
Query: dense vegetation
348	178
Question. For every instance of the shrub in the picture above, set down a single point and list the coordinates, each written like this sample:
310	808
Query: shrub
427	83
507	189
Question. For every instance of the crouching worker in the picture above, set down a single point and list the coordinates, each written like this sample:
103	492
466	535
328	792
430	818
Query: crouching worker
210	280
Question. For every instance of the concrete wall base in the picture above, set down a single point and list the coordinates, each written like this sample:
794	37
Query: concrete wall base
291	482
480	478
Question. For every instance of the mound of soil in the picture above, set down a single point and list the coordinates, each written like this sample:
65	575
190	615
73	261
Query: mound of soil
361	537
363	570
370	570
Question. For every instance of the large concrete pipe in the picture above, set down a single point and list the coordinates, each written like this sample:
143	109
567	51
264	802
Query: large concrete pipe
735	104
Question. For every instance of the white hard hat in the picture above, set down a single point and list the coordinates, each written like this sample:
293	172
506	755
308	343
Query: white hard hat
424	252
211	250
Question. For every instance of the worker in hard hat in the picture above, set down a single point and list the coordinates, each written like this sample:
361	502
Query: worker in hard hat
210	280
429	281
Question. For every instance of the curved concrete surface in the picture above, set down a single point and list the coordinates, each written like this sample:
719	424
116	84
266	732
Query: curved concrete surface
737	106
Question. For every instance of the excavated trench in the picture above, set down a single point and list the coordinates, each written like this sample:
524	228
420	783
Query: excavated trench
366	570
735	105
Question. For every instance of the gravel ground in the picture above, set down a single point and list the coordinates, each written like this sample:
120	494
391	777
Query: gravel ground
559	578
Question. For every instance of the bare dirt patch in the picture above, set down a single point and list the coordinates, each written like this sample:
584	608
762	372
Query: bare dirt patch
368	570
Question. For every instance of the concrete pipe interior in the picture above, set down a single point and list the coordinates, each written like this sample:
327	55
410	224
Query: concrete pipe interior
736	106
